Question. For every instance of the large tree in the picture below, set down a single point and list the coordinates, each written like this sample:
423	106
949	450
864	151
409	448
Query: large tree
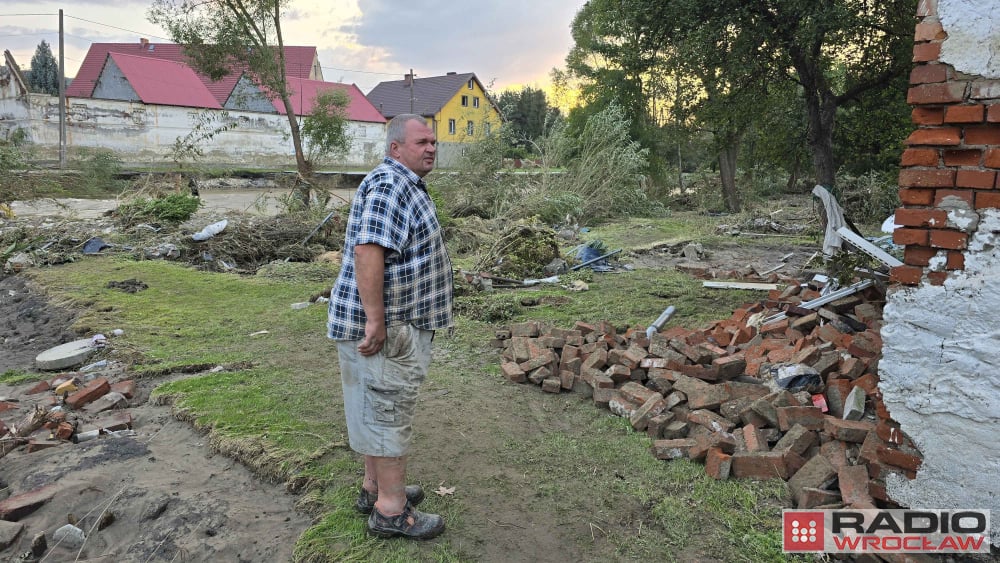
734	52
223	36
44	75
526	113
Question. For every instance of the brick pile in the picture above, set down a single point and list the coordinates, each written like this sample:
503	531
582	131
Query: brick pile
704	394
76	407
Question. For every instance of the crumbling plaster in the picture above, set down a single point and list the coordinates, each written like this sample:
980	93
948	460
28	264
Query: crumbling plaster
973	43
940	379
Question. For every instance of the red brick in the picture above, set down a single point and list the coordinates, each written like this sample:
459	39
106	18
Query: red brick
672	449
513	372
987	199
985	90
759	465
914	217
942	93
809	417
847	430
914	196
937	278
982	135
909	275
978	179
965	195
992	156
926	8
926	178
965	114
904	236
126	388
710	420
798	439
956	260
817	473
929	31
922	116
40	387
6	406
928	73
993	113
897	458
955	240
567	379
918	255
941	136
718	464
920	157
926	52
811	497
853	481
90	392
890	433
962	157
754	441
16	507
835	452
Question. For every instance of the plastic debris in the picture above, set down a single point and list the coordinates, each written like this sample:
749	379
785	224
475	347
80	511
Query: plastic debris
210	230
796	377
95	245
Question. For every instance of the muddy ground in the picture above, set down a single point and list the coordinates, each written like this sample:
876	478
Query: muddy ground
171	495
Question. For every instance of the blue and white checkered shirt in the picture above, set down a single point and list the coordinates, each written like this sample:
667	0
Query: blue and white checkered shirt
393	210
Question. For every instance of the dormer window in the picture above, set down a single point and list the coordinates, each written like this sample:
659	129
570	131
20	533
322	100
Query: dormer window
472	82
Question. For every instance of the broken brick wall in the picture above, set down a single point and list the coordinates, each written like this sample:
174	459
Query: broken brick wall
940	372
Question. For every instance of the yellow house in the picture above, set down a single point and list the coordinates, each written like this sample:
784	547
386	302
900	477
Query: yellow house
456	105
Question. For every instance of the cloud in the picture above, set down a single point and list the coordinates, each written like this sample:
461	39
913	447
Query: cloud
509	41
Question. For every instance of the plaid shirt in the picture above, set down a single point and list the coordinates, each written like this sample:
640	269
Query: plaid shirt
393	210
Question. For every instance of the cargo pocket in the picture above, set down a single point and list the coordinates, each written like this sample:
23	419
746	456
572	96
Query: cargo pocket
382	408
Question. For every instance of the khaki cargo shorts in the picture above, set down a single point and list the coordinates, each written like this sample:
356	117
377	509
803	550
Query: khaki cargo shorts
380	391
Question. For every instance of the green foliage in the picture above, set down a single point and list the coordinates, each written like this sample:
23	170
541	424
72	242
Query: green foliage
99	170
325	130
868	198
189	148
173	208
44	74
17	377
526	113
496	307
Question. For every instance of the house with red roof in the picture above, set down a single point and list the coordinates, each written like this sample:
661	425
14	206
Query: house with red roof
300	62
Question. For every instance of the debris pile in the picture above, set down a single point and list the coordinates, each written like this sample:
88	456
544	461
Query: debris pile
70	407
785	388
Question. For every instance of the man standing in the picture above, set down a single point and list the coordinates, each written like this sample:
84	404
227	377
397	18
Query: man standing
394	290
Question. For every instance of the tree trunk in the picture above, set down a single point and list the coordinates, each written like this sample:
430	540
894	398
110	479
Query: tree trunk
727	171
822	110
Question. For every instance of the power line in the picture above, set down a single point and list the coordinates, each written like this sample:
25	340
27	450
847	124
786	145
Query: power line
12	15
360	71
116	27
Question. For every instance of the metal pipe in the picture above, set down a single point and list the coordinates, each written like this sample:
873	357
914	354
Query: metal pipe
660	321
591	261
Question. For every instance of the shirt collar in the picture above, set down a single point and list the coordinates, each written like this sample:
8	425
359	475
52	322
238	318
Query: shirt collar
402	169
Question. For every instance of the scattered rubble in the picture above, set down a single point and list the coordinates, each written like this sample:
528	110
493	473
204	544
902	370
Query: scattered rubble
784	388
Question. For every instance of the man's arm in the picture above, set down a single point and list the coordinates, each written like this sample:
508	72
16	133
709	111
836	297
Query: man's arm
369	268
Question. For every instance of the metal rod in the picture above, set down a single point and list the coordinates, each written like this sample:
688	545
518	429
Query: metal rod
591	261
660	321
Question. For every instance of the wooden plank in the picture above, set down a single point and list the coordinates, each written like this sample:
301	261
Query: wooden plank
739	285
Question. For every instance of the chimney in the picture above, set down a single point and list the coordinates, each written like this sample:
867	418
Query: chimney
408	79
452	73
143	42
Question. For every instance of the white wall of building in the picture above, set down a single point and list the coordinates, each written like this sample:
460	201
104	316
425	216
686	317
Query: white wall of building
141	133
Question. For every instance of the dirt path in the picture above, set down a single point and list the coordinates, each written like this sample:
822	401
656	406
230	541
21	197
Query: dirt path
170	495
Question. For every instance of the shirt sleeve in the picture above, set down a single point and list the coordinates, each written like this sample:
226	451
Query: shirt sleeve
383	218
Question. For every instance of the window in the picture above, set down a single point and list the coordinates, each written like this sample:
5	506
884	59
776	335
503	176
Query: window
470	128
486	128
451	126
465	101
472	82
475	101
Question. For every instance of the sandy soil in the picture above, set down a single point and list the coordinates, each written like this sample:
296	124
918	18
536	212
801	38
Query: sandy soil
169	494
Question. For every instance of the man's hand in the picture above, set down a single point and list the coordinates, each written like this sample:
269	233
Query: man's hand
369	267
374	337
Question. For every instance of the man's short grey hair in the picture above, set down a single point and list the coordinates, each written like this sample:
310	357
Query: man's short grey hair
396	131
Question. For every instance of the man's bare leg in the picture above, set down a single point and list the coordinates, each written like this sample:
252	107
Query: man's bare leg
390	480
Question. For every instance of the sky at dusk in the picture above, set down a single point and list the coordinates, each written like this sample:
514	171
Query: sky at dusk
507	43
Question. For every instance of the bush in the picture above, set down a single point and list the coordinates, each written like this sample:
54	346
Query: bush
868	198
173	208
99	170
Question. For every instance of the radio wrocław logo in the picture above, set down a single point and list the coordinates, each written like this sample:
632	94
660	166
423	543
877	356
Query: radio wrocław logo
886	531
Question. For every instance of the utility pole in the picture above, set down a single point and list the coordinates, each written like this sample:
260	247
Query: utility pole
62	95
412	82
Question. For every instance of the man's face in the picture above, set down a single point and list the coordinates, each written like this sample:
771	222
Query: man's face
418	149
